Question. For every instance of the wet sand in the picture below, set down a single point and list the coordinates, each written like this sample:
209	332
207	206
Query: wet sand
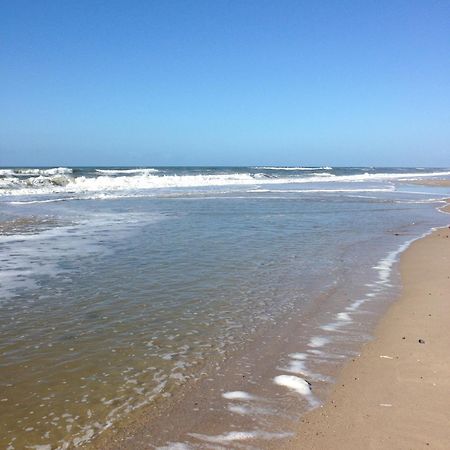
26	225
395	395
433	182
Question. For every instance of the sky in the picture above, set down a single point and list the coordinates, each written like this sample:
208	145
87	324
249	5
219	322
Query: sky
224	82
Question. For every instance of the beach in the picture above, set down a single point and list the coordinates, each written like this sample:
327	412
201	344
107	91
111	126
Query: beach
436	182
395	394
224	225
187	308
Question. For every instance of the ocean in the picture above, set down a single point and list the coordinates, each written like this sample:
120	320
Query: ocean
191	307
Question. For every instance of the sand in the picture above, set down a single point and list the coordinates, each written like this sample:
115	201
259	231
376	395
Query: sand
432	182
396	394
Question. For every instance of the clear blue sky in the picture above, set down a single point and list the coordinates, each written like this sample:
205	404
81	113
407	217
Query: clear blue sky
219	82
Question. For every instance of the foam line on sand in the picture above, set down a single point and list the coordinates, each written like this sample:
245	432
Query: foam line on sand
395	394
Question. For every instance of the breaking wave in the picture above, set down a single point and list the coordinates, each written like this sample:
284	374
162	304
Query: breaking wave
14	182
293	168
126	171
35	172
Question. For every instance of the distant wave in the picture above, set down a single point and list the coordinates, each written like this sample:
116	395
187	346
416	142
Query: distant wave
323	174
292	168
69	184
126	171
49	181
28	172
325	191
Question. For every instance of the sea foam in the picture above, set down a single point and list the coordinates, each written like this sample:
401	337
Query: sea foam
297	384
238	395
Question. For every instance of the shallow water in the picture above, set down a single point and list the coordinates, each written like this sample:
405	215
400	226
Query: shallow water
119	289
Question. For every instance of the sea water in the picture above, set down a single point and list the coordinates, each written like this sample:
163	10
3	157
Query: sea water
123	290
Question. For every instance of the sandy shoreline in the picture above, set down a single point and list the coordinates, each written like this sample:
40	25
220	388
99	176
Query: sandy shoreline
395	395
432	182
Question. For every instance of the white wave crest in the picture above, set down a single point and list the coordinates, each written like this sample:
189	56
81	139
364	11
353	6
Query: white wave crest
126	171
293	168
35	171
59	181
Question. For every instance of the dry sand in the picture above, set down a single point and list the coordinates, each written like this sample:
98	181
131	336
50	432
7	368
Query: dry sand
396	395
